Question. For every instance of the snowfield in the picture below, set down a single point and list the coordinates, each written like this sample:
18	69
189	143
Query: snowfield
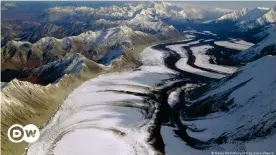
95	121
237	45
99	121
152	57
182	64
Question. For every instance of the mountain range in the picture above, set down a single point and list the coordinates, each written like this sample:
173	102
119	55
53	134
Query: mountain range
160	78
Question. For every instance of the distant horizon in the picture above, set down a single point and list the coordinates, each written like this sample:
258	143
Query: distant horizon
231	4
200	4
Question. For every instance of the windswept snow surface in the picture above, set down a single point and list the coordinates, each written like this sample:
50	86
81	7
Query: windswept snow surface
153	60
152	57
238	45
95	121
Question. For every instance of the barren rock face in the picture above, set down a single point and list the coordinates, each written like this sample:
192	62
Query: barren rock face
99	46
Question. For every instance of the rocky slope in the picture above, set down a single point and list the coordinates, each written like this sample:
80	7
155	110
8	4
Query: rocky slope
266	46
221	111
49	55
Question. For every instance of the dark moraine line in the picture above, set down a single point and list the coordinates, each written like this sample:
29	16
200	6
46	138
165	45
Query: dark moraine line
181	128
192	58
157	100
172	114
154	108
223	55
168	114
163	114
172	58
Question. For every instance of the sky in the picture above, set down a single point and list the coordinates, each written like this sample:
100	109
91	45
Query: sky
232	4
203	3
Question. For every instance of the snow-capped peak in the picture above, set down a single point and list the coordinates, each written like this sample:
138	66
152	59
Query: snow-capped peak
235	16
263	8
261	17
253	14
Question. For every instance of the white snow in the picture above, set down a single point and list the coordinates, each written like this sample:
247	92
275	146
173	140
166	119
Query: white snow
178	48
173	97
251	53
152	57
235	16
253	14
242	42
93	120
251	18
87	118
200	32
194	42
208	40
209	32
265	17
255	111
238	45
202	60
254	103
105	143
182	64
96	122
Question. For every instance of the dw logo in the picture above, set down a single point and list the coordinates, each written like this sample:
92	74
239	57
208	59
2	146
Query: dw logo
29	133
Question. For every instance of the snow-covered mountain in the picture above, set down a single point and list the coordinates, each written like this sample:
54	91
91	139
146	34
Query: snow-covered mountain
253	14
247	19
159	11
267	46
25	60
203	110
234	16
129	10
269	17
63	21
146	23
159	78
93	45
230	104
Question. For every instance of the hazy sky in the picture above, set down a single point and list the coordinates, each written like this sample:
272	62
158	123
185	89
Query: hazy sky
204	3
232	4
